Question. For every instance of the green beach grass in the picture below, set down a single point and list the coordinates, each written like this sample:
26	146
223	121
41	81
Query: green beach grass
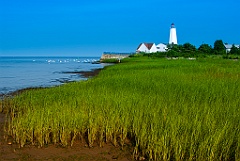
169	110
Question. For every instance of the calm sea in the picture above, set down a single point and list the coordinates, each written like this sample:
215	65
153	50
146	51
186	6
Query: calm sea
23	72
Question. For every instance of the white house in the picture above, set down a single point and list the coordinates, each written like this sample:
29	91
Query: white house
151	48
143	48
228	47
146	48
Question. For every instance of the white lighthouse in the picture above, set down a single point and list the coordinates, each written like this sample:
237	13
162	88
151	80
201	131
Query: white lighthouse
173	35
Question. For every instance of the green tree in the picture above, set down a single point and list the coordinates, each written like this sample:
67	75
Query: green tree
219	47
234	50
173	47
173	50
205	49
187	47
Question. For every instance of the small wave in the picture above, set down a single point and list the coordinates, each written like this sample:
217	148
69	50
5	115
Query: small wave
7	77
51	61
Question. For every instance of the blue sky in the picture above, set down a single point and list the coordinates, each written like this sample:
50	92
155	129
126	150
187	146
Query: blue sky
88	28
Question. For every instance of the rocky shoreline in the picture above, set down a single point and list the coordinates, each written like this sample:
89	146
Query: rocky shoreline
86	74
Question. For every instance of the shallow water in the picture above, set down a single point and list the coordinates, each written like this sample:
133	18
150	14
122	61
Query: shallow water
24	72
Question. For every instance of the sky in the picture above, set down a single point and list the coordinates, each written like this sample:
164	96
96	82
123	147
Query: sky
89	28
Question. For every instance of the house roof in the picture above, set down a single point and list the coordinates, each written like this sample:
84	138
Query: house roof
139	46
229	46
148	45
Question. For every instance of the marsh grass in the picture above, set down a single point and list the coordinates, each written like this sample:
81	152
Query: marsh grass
169	109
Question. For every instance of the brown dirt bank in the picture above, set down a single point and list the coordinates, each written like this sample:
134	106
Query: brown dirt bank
78	152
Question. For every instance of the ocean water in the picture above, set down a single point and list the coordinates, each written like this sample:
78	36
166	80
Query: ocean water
24	72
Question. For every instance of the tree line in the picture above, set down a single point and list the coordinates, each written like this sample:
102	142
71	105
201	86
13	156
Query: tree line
204	50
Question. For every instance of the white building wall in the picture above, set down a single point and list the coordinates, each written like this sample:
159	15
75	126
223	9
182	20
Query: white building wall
153	49
161	47
143	48
228	47
173	36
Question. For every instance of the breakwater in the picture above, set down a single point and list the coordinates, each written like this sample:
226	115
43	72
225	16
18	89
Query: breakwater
114	55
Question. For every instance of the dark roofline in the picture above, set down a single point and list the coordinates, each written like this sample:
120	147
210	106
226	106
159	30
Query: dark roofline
139	46
148	45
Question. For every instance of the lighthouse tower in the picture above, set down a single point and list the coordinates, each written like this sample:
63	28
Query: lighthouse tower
173	35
